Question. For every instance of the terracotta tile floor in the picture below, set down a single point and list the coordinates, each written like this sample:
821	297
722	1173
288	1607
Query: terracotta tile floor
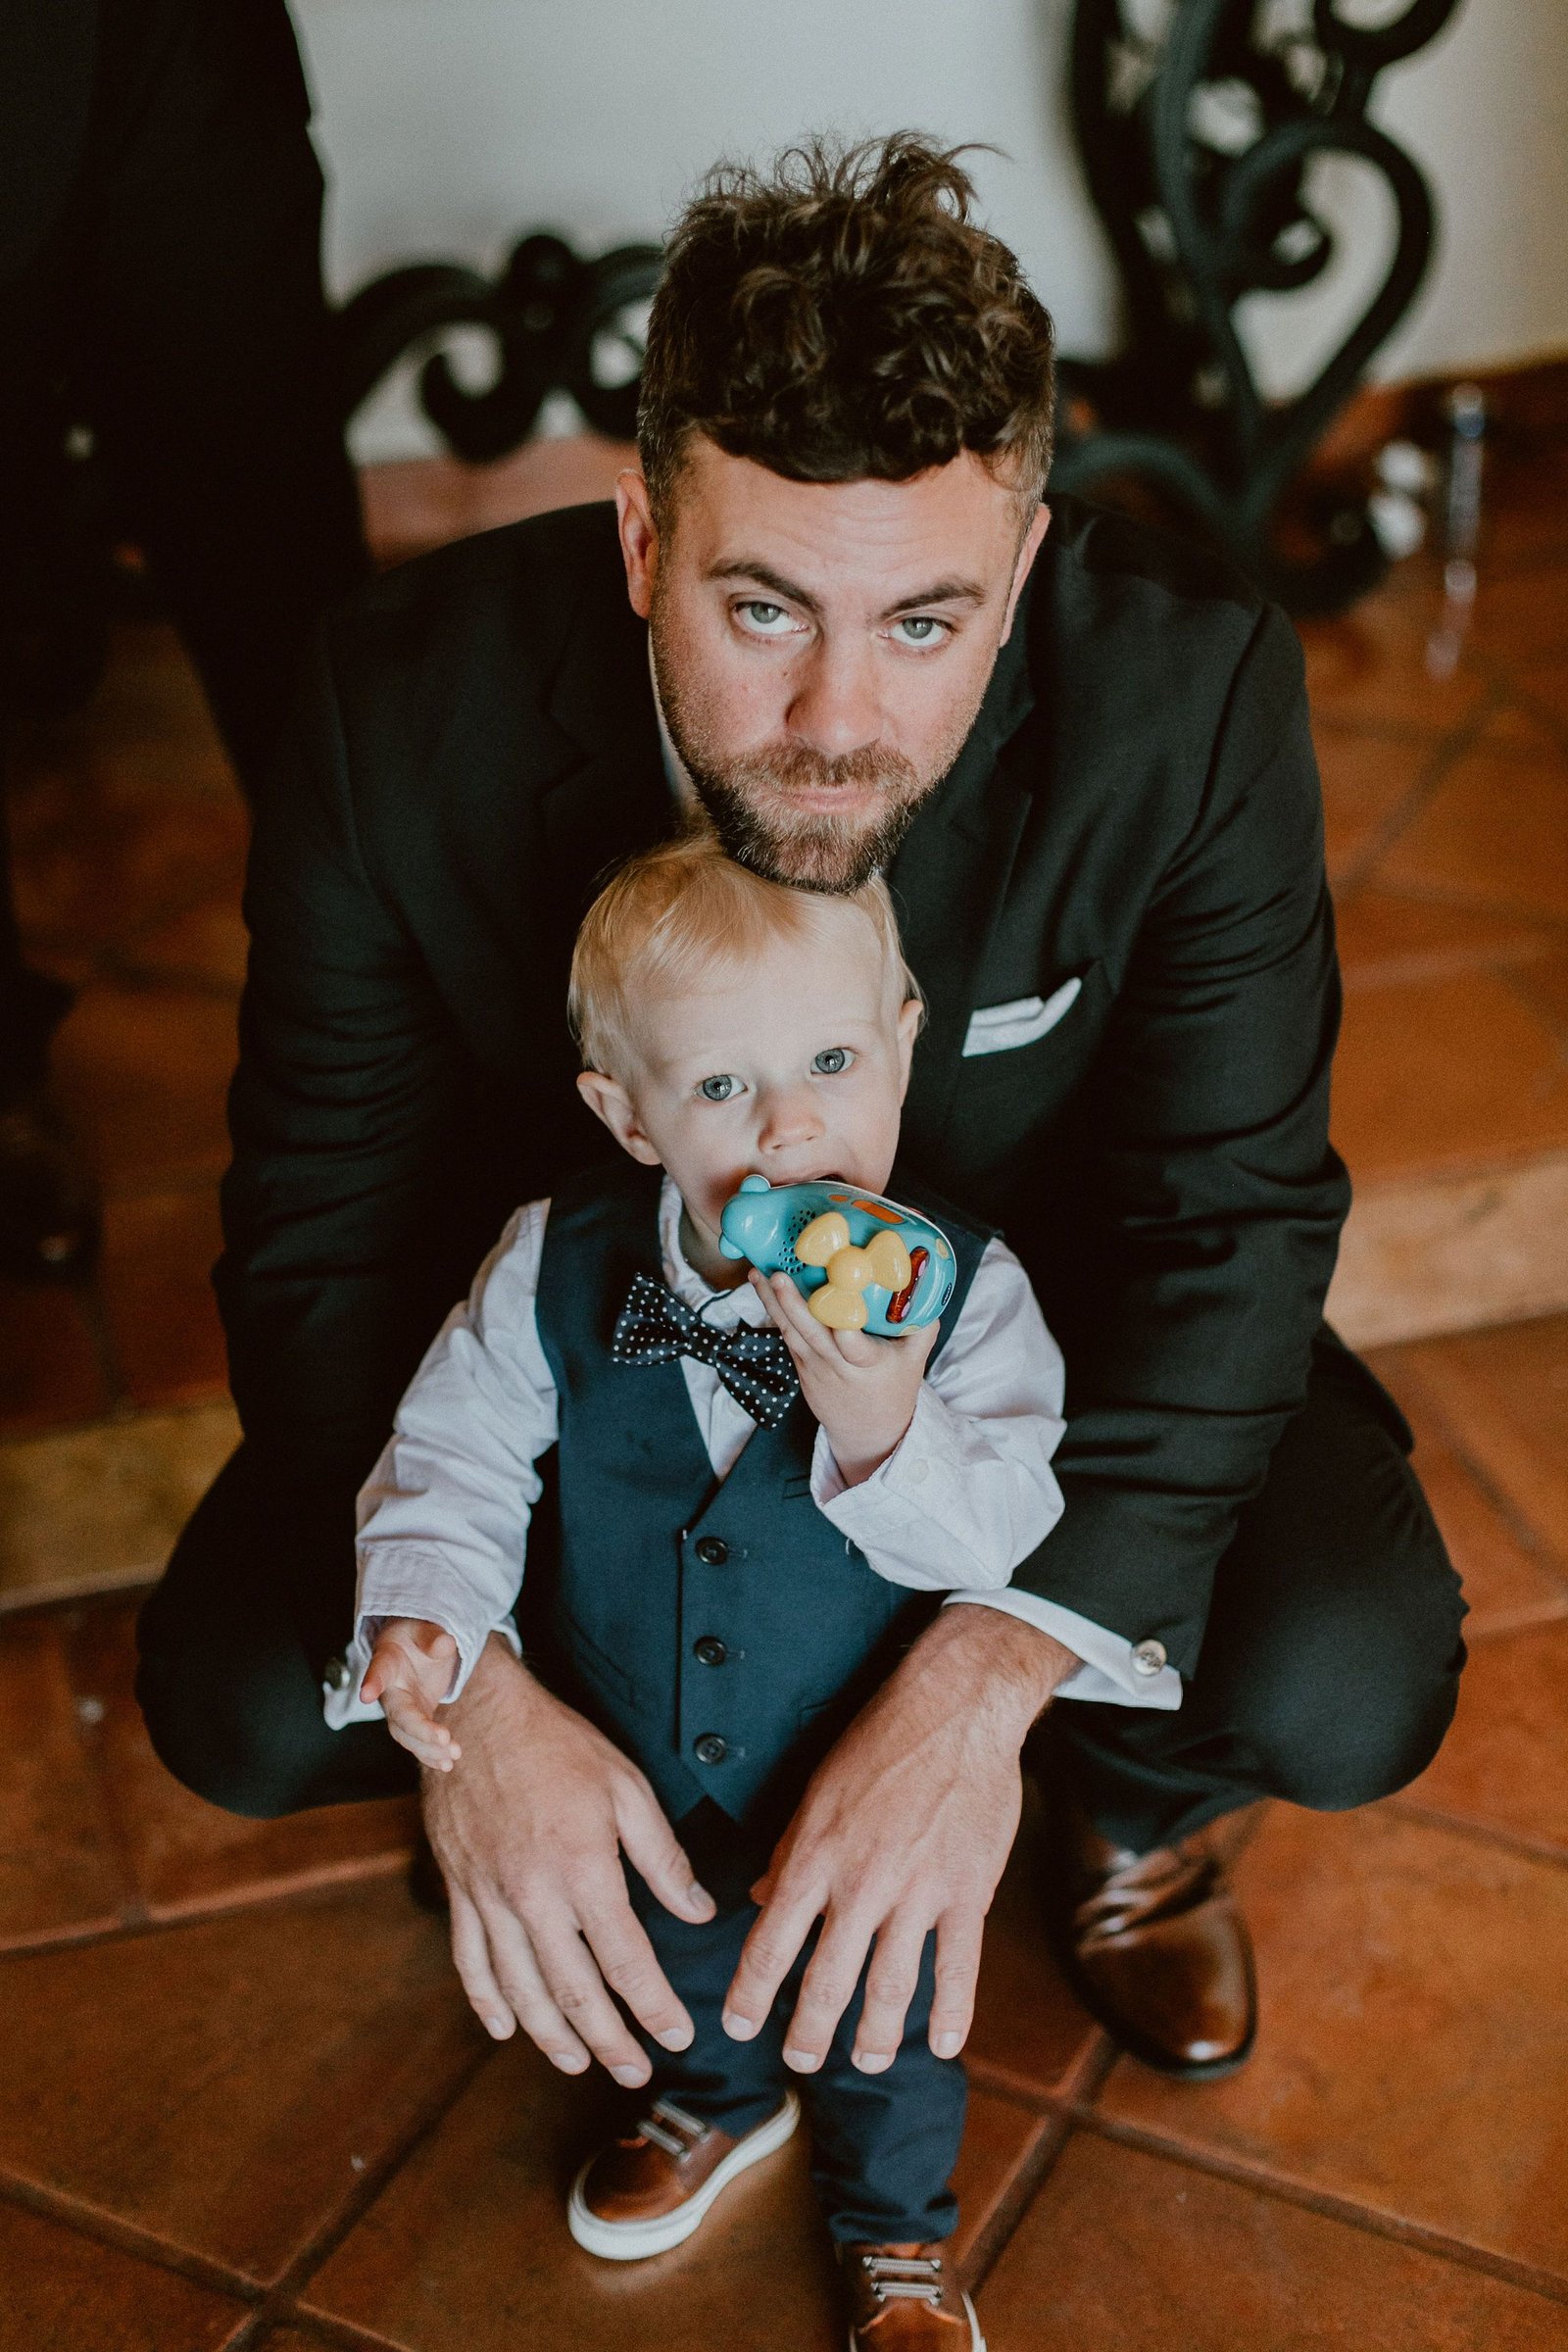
241	2101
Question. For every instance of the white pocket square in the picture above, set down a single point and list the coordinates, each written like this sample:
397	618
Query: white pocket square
996	1028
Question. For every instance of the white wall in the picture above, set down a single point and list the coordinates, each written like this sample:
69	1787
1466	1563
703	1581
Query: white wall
449	126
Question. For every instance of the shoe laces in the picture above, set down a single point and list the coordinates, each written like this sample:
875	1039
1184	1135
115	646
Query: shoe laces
905	2278
672	2128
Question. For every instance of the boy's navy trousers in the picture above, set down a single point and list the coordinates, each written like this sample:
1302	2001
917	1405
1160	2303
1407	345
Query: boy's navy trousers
883	2147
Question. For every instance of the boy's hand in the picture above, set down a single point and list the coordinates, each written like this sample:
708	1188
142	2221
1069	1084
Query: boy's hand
862	1389
411	1673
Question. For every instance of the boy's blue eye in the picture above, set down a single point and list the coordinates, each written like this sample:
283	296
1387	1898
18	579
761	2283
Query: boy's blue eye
831	1060
720	1088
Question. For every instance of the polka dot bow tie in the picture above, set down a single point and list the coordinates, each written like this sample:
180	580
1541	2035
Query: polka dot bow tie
655	1327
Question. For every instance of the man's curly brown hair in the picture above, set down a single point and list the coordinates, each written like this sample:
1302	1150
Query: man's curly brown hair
845	316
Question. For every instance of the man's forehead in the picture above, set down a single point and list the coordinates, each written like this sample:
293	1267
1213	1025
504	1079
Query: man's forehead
952	528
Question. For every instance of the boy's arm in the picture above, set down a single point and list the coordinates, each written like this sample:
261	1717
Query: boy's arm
969	1492
444	1515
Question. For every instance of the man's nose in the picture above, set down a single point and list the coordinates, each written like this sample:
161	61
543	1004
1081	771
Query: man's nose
837	706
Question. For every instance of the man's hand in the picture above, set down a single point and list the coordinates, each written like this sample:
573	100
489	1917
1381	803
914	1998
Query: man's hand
529	1836
411	1673
861	1389
906	1827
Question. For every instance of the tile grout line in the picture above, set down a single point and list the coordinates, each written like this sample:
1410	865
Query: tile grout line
992	2239
1525	1533
318	1888
122	2236
1479	1832
1447	750
1552	2286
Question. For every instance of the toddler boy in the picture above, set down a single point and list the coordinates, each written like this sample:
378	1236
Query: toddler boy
756	1514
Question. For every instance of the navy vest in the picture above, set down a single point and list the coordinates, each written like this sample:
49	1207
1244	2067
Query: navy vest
721	1631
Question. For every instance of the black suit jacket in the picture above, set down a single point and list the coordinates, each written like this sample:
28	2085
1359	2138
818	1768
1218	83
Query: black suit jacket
1136	807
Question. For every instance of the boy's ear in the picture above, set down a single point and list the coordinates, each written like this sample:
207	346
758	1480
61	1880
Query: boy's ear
609	1101
911	1013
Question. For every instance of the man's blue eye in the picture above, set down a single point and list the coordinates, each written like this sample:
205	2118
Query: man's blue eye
831	1060
763	614
718	1089
920	628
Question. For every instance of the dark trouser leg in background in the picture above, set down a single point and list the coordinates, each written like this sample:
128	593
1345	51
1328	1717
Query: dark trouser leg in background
175	306
883	2147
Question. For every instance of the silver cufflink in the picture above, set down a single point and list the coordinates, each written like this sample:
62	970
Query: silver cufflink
1148	1657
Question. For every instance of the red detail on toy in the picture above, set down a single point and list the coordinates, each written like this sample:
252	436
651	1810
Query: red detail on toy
899	1307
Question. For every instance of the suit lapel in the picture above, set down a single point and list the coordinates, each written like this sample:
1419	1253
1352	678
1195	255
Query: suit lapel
949	879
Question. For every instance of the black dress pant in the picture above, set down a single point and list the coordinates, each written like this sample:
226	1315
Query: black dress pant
174	306
1328	1676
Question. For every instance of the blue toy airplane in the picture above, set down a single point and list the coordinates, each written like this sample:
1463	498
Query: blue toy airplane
862	1261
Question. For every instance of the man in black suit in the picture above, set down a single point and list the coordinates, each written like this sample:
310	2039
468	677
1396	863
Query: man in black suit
1082	755
160	284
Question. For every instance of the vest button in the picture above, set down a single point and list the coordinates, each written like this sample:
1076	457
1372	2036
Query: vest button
712	1550
711	1749
710	1649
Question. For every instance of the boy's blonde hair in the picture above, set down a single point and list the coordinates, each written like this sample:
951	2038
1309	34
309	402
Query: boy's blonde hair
669	914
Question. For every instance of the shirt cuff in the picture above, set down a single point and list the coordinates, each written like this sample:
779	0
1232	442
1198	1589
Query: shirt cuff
413	1585
1109	1675
914	1487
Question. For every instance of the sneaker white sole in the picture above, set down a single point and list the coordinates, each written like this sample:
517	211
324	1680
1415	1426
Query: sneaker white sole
634	2241
977	2342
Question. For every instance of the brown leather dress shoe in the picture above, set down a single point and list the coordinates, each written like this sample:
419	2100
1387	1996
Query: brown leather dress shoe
648	2192
48	1202
1156	1950
904	2299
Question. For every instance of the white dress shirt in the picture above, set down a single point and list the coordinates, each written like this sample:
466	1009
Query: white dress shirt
965	1496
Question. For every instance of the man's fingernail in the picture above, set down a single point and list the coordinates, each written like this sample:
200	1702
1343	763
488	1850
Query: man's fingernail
873	2062
802	2061
500	2027
701	1900
679	2037
569	2062
738	2028
948	2045
630	2076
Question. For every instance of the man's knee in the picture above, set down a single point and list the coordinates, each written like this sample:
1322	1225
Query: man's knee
1358	1704
229	1728
230	1699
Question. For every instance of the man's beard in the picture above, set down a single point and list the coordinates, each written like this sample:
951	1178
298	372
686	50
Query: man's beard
748	799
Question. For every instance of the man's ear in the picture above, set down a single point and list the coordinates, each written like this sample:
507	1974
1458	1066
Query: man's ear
609	1101
639	539
910	1015
1033	539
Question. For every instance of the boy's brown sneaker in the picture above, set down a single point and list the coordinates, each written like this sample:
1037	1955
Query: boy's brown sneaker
904	2299
648	2192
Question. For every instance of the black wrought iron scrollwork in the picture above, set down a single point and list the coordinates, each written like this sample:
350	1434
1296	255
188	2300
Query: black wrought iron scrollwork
559	323
1199	218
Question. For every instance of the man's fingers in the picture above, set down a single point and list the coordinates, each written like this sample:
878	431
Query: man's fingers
826	1990
517	1970
958	1965
890	1984
574	1982
767	1955
656	1856
629	1966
